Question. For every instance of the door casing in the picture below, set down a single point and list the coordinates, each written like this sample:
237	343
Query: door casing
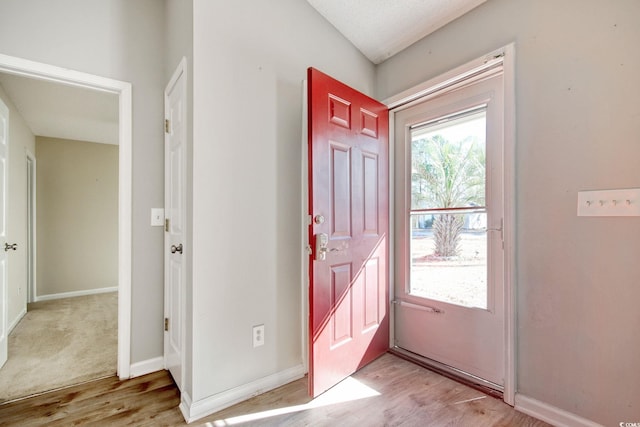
51	73
4	252
422	92
31	227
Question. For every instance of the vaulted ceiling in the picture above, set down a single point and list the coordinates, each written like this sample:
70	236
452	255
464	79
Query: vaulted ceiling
382	28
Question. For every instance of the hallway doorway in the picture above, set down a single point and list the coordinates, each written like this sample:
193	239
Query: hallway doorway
122	90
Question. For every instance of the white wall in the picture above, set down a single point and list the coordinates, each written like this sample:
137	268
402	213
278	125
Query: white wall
250	58
124	40
20	140
77	216
578	127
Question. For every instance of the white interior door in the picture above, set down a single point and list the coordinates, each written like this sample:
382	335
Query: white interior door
4	164
449	212
175	222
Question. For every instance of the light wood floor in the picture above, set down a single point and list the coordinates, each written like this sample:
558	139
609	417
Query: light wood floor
388	392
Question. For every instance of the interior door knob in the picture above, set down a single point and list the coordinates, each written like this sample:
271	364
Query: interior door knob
8	247
175	248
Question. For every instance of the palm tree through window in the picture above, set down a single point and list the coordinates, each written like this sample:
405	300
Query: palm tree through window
448	214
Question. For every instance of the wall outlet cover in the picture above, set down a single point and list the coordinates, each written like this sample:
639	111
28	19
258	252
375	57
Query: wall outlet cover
258	336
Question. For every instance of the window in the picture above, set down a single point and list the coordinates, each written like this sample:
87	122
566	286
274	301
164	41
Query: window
447	216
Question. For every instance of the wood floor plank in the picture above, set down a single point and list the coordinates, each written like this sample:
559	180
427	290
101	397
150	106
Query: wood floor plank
395	392
96	397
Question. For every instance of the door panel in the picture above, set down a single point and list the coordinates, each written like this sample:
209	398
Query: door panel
370	193
342	299
340	190
175	226
348	201
450	287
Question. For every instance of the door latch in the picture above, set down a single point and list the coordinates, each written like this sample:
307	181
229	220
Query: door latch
322	240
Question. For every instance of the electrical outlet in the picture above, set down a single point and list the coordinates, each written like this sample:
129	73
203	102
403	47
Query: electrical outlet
258	336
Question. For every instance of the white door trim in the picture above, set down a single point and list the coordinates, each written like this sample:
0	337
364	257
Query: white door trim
305	222
505	56
4	258
31	226
51	73
510	313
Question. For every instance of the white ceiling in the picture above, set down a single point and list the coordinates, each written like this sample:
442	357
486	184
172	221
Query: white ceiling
61	111
382	28
379	28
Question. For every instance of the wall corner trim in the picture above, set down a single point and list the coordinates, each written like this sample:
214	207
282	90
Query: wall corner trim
145	367
550	414
201	408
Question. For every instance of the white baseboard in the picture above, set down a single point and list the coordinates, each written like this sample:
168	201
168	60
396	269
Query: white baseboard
185	404
75	294
550	414
146	367
17	320
207	406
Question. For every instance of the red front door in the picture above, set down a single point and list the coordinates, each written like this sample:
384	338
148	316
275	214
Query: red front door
349	205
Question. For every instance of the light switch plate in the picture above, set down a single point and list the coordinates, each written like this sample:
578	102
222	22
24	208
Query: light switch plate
157	217
609	202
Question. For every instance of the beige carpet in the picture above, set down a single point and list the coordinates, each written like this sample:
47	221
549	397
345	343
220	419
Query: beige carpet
60	343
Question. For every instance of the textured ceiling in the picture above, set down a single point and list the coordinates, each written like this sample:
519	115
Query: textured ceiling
382	28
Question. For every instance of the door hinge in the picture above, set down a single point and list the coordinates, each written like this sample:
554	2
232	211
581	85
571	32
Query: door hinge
166	225
167	126
166	324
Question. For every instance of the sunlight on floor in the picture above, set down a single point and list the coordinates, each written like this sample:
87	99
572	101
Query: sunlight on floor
348	390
